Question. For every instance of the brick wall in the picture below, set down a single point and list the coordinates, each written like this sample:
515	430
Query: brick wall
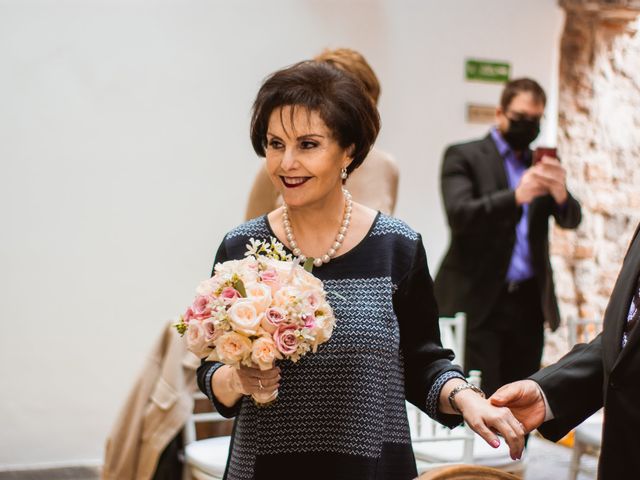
599	143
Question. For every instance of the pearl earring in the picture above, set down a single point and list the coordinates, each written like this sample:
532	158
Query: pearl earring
343	174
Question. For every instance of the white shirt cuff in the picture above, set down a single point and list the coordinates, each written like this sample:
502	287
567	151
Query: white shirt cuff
548	414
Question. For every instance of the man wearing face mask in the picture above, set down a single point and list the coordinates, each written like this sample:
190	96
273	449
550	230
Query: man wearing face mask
497	268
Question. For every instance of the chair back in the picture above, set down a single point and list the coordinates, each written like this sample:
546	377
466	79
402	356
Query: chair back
205	459
189	434
453	334
423	428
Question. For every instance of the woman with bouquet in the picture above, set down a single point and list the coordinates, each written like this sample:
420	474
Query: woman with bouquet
341	412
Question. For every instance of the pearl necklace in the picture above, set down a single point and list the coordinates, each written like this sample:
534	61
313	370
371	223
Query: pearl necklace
346	220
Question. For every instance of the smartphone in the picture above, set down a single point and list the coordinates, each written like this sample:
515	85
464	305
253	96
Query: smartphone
540	152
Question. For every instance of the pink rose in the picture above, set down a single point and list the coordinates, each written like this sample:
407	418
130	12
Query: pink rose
270	278
197	341
286	339
232	348
229	295
264	353
309	320
188	315
210	332
200	308
273	317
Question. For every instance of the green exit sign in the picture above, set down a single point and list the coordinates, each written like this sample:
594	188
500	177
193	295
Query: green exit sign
487	71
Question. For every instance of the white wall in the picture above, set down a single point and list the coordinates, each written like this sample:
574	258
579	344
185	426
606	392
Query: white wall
125	157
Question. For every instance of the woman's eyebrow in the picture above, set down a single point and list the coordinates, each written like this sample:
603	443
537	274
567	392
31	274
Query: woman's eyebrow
310	135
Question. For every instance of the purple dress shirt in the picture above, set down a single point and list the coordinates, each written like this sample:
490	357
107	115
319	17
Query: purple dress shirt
520	267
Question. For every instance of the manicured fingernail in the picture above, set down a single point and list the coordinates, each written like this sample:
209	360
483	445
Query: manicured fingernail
495	443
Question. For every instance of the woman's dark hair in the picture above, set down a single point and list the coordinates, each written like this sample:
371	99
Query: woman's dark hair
519	85
339	99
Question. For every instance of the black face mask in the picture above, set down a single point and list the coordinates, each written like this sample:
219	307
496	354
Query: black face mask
521	133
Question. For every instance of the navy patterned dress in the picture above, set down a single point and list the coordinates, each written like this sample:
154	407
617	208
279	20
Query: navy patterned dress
340	413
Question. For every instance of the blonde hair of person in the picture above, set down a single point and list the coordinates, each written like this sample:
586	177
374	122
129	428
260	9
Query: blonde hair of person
355	64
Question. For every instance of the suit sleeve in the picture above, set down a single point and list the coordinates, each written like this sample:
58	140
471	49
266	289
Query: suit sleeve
427	364
573	387
208	368
466	211
568	215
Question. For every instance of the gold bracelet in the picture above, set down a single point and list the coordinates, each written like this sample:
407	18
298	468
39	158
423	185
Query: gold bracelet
458	389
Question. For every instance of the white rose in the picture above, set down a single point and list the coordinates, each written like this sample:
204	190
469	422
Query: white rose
207	287
243	317
246	269
264	353
232	348
325	322
260	295
307	281
286	296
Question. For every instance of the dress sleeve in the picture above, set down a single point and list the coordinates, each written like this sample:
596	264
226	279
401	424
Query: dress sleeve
427	365
208	368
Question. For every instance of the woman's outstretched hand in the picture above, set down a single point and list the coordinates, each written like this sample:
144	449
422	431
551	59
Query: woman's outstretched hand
488	420
485	419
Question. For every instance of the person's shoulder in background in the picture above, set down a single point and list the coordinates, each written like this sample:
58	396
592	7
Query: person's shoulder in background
263	197
375	182
471	146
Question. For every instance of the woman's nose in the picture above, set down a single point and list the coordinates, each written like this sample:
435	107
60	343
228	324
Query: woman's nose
288	159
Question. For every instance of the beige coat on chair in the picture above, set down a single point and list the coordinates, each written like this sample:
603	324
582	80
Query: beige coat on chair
156	409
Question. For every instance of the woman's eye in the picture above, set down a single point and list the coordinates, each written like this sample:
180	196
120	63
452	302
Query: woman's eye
275	144
305	145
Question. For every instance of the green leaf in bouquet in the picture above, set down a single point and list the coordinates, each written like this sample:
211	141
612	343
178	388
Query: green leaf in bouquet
181	327
308	264
238	284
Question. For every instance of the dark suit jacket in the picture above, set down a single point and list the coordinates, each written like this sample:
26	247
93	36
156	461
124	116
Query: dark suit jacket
601	373
482	215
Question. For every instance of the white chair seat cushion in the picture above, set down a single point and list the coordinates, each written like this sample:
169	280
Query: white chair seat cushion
209	455
451	452
589	433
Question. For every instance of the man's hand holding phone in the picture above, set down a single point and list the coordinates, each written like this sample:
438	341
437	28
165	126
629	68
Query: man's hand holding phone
550	174
546	176
541	152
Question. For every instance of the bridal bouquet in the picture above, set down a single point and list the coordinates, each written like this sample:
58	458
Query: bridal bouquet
257	310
